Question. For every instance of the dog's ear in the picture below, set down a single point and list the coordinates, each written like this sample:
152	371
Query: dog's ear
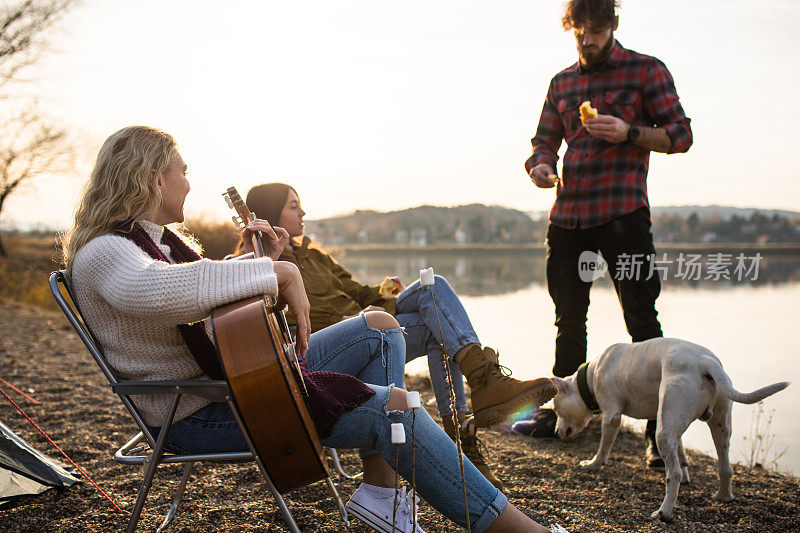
560	384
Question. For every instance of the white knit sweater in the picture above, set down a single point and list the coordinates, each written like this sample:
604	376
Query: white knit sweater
134	304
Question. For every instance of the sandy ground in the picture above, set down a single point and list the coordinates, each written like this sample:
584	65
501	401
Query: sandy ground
40	354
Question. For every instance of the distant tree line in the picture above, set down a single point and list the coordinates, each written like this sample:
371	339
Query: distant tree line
745	229
490	224
478	223
427	225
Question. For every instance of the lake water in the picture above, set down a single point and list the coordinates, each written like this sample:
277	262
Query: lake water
752	325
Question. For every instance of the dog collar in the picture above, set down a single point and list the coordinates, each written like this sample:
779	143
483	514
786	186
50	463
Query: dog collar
583	389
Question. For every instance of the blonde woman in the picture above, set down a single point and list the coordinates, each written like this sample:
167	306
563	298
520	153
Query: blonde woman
139	284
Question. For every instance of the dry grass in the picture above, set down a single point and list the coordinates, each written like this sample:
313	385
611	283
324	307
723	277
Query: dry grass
760	441
26	268
218	239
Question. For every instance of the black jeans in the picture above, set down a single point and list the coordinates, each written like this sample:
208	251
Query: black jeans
628	234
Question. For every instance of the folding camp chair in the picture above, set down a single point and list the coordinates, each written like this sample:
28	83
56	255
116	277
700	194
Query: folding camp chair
144	448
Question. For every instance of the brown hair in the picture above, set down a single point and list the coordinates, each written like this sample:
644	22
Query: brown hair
266	201
582	13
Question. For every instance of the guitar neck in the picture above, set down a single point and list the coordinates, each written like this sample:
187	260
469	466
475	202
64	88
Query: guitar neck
245	218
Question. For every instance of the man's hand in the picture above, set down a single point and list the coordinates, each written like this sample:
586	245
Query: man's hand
608	128
540	176
275	241
292	293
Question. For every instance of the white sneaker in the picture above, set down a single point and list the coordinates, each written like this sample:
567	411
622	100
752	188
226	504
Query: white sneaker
378	512
559	529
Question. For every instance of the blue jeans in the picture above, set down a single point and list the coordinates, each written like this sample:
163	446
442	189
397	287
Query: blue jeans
438	478
377	357
415	312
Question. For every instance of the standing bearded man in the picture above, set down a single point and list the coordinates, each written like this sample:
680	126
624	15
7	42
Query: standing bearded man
601	197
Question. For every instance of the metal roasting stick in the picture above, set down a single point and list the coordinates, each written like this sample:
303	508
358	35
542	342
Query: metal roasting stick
413	474
453	414
396	489
398	437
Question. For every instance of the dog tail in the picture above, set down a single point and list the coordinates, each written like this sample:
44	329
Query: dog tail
756	395
724	385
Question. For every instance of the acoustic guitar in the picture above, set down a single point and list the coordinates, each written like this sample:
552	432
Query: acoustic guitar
257	355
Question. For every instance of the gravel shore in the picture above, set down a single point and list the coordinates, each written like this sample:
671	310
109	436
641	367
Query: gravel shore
40	355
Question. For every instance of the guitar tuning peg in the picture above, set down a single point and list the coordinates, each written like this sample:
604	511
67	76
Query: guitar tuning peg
237	221
227	200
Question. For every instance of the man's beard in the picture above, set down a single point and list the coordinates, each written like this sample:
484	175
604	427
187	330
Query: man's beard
596	56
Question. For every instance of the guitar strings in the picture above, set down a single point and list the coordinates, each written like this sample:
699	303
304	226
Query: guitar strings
258	251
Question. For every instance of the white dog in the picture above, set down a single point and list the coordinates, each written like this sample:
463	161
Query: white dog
670	380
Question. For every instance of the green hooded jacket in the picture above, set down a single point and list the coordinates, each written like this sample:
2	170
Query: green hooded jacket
331	290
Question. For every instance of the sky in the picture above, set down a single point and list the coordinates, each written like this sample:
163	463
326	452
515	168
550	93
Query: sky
383	105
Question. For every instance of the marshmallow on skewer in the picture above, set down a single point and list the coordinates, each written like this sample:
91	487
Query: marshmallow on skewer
413	400
398	434
426	276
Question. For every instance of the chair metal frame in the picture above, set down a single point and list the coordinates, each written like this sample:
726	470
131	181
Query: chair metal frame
147	450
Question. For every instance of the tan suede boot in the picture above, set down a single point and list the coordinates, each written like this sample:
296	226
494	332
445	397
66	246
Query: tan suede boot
471	446
495	394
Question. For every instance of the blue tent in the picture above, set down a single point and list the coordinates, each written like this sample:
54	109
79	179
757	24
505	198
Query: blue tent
25	471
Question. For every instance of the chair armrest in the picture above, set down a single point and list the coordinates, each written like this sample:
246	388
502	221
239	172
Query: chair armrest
215	391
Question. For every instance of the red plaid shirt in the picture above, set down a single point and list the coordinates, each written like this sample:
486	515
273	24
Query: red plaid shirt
601	181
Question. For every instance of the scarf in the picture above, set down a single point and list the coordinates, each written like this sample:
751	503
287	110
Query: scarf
194	335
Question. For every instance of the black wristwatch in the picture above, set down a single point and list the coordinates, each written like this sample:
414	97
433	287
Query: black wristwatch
633	133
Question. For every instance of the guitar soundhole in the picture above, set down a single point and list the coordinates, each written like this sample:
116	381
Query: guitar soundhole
288	450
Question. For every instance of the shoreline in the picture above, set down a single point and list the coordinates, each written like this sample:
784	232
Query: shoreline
723	247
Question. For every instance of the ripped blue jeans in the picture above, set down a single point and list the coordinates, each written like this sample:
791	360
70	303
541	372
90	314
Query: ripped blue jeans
379	363
438	477
377	357
428	326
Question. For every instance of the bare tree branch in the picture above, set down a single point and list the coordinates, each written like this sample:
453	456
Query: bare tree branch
30	145
24	30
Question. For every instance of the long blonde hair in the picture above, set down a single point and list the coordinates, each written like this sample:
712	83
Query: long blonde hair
123	186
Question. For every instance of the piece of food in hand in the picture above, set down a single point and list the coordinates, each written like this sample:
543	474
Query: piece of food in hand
388	287
587	111
553	178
